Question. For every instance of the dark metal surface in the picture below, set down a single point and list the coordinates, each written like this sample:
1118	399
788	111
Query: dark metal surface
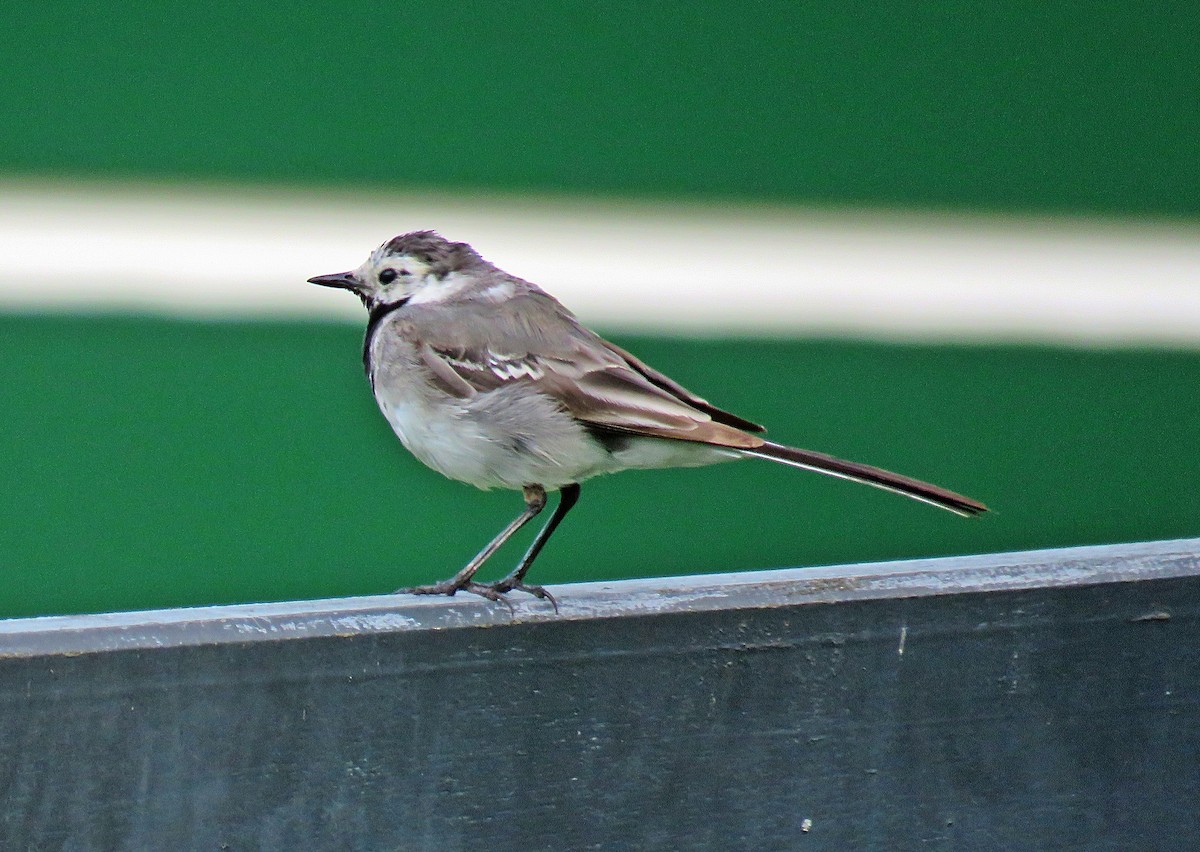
1045	700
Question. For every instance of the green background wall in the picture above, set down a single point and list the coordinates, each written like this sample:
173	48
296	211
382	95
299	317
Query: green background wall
157	462
153	462
1013	105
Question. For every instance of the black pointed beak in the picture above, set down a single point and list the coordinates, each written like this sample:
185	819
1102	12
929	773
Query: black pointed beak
341	280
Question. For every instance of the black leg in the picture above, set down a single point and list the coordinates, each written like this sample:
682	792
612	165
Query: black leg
535	501
569	496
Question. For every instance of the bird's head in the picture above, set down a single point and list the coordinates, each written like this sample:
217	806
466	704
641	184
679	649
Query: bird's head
418	267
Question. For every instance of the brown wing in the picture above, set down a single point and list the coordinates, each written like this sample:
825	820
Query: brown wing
680	392
532	339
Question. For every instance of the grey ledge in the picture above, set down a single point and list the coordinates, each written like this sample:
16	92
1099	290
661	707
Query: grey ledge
245	623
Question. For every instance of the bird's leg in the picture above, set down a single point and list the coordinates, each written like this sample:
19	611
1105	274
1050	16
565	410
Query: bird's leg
535	501
569	495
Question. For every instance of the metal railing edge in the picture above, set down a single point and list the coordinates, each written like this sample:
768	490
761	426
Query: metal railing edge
242	623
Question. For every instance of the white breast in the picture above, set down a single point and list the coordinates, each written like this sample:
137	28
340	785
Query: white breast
506	438
509	437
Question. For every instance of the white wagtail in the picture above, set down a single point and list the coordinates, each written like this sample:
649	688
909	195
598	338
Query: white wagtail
489	380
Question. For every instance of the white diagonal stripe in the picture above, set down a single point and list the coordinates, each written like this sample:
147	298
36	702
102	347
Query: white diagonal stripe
666	268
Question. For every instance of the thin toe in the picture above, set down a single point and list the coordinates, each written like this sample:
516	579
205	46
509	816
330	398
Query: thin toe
537	591
449	588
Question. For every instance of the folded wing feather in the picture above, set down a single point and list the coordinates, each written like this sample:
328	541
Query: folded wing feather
595	381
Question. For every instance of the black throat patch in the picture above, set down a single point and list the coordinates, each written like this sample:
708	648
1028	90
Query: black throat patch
376	315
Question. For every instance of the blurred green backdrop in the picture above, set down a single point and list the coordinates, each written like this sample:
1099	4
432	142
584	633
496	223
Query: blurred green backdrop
157	462
1013	105
154	462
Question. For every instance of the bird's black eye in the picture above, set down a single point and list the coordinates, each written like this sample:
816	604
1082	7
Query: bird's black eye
387	276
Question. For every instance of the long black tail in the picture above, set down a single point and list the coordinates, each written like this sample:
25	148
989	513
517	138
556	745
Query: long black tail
914	488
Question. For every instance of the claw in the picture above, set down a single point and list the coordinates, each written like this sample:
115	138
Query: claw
485	590
492	591
508	585
449	588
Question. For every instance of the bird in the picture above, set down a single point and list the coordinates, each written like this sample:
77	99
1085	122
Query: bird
489	380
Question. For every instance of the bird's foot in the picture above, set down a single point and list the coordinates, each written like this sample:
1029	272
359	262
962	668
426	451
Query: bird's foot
453	586
492	591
